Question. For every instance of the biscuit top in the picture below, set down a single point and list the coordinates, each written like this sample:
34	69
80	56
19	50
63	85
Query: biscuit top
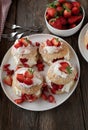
27	77
62	68
22	46
52	46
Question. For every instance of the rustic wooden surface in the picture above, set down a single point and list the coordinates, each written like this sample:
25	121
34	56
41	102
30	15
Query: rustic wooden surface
71	115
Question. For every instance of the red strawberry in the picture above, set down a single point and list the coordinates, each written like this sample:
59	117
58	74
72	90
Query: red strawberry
75	10
76	77
62	1
55	42
87	46
18	101
67	13
28	74
6	66
26	65
74	19
53	91
49	43
72	25
37	44
60	86
57	24
60	10
51	99
10	72
24	41
40	67
63	67
20	78
64	64
8	80
67	5
62	20
19	44
51	11
23	60
44	96
55	86
28	81
32	98
76	4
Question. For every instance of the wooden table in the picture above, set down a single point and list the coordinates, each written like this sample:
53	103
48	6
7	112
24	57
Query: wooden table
72	114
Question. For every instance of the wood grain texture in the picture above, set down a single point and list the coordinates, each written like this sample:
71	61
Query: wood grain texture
71	115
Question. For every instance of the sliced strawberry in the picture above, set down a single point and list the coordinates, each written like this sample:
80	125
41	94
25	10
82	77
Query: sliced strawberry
37	44
51	11
8	80
10	72
32	98
19	101
53	91
6	66
51	99
67	13
56	42
76	4
44	96
28	81
49	43
64	64
28	74
40	67
55	86
60	86
87	46
23	60
19	44
74	19
75	11
26	65
20	78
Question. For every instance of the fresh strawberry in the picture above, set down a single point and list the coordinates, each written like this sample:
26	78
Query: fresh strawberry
23	60
67	13
37	44
60	10
57	24
28	74
19	101
20	78
74	19
10	72
51	11
53	91
44	96
8	80
32	98
40	67
49	43
62	1
26	65
24	41
72	25
75	10
64	64
62	20
76	4
67	5
51	99
56	42
60	86
54	86
28	81
19	44
6	66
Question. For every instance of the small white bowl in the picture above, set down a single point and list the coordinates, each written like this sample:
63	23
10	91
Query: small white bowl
67	32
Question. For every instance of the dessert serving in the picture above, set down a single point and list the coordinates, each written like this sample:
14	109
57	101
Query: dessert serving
61	76
24	52
54	49
52	79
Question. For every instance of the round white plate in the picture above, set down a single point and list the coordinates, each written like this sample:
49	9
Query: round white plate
39	105
81	44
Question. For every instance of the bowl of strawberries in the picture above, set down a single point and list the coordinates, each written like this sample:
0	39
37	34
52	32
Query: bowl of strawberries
64	17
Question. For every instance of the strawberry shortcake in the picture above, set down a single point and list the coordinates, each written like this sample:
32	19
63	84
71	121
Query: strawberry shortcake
27	81
54	49
61	76
24	52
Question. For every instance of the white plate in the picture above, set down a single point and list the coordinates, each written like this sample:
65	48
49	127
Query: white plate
81	44
39	105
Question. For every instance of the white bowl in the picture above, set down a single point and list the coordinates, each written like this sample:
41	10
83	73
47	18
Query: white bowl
67	32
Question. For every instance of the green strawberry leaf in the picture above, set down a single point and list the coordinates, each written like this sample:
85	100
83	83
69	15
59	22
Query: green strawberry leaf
31	70
53	4
69	69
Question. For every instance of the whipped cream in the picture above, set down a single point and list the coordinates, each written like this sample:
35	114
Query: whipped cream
22	50
35	79
51	49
